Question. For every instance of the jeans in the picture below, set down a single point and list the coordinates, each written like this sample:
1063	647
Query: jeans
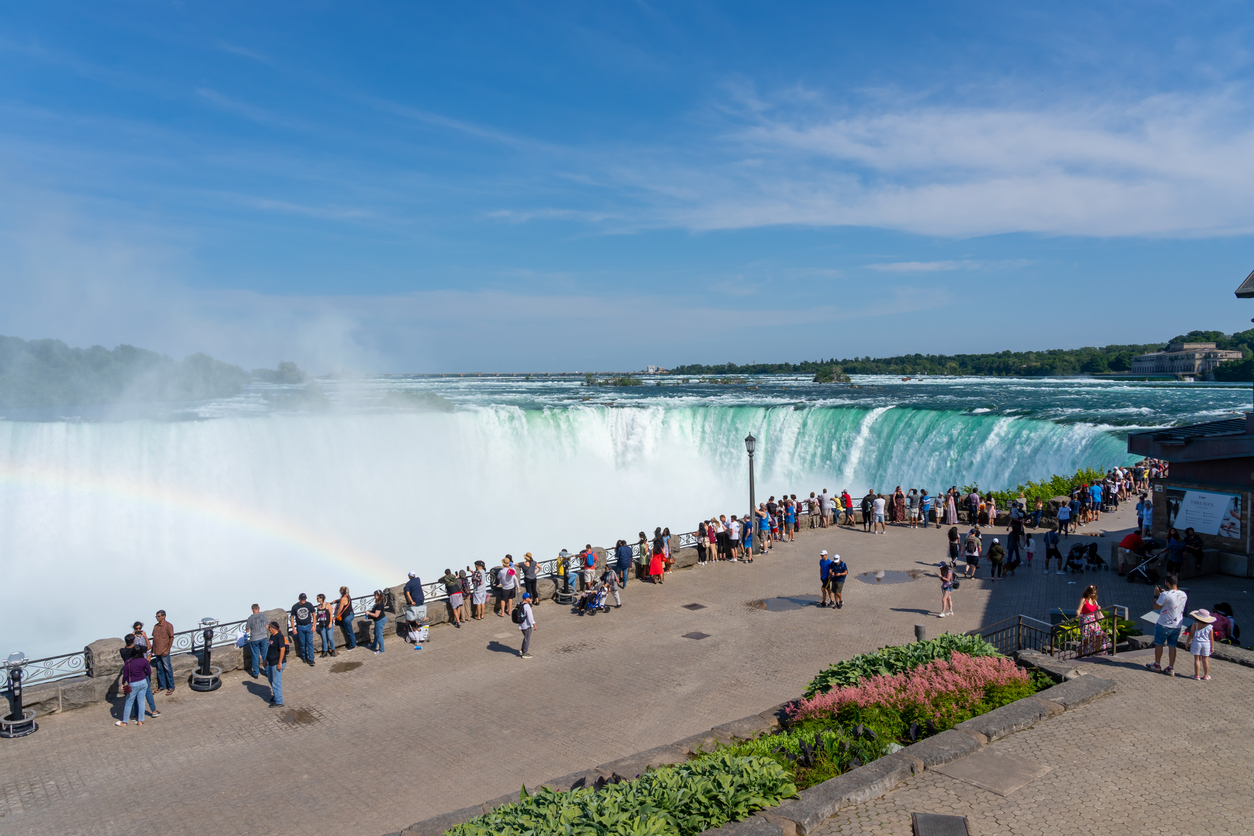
378	634
304	641
328	639
136	698
1036	517
526	631
622	573
275	677
350	641
165	672
259	649
1012	548
1064	527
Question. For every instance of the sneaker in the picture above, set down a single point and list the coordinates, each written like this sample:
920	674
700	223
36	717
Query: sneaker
1198	678
942	615
1205	678
378	653
154	713
1169	670
1154	666
524	656
1061	572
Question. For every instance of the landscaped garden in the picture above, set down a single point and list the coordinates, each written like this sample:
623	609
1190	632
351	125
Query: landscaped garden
852	713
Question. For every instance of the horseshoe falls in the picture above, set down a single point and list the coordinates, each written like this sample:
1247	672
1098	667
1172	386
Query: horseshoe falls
205	508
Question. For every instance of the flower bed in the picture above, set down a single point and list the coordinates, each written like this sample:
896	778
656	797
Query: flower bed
851	725
686	799
897	659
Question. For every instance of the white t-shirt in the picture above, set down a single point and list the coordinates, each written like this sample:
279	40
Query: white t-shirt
733	529
1171	604
879	505
508	577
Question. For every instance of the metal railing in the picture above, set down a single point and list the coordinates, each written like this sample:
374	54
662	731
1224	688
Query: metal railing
1019	632
1076	638
54	668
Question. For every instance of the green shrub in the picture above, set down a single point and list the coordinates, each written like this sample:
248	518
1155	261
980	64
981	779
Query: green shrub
888	661
813	751
686	799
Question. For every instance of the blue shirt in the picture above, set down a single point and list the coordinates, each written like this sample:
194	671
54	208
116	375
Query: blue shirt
1096	492
825	568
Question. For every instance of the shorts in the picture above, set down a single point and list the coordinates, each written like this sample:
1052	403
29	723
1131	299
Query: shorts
455	600
914	513
478	598
973	560
416	613
733	542
508	594
836	586
879	518
1166	636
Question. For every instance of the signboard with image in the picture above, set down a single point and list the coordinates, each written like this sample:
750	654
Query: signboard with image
1217	514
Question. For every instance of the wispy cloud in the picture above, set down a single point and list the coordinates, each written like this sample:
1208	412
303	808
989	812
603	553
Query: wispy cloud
940	266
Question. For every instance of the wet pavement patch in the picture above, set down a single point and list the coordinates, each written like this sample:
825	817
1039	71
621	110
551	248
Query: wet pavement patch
785	603
300	716
345	667
892	576
697	636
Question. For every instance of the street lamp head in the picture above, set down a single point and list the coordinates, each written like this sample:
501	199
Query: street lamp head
750	443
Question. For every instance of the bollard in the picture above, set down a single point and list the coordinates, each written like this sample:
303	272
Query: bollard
920	633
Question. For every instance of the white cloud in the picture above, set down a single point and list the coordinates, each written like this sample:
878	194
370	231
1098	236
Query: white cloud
1158	166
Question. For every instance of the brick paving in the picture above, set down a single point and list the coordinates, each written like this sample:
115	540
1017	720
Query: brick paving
1160	756
409	734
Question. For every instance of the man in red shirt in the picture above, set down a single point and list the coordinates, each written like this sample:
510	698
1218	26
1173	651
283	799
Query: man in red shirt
1131	544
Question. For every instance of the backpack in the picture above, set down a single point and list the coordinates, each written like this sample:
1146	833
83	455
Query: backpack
518	616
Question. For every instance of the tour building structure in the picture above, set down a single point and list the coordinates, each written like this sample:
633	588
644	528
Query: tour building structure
1185	359
1211	479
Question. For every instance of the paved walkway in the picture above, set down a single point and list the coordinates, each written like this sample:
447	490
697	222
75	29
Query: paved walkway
407	735
1160	756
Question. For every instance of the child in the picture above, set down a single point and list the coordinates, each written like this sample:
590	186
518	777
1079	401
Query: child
1199	642
1031	551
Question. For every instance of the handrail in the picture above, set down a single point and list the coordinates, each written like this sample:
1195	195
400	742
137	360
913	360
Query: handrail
54	668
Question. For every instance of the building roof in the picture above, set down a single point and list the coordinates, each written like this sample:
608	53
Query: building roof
1246	290
1229	438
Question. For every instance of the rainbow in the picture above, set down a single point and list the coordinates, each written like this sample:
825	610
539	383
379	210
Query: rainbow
318	545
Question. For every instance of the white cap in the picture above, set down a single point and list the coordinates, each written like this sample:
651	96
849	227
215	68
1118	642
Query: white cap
835	558
413	575
995	540
822	553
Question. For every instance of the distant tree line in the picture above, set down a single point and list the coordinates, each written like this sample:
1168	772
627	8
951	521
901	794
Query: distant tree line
1050	363
36	373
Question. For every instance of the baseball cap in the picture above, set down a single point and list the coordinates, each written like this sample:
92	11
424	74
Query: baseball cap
823	552
526	595
413	574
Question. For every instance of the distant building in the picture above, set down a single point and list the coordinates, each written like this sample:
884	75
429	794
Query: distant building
654	370
1197	359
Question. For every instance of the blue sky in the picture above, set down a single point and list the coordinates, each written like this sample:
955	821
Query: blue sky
575	186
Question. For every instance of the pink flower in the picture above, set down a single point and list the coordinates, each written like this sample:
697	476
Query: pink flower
939	686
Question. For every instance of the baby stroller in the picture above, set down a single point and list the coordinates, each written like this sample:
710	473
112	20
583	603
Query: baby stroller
1075	559
592	600
1142	572
1092	559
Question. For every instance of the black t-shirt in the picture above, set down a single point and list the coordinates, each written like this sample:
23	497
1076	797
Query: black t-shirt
375	612
277	643
302	613
414	588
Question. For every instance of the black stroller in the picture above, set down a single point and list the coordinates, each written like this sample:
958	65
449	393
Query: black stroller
1143	571
1075	559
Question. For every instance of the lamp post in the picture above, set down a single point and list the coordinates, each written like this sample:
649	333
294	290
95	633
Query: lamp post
209	677
751	444
20	721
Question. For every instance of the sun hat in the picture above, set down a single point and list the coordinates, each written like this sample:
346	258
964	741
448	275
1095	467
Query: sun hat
1203	616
